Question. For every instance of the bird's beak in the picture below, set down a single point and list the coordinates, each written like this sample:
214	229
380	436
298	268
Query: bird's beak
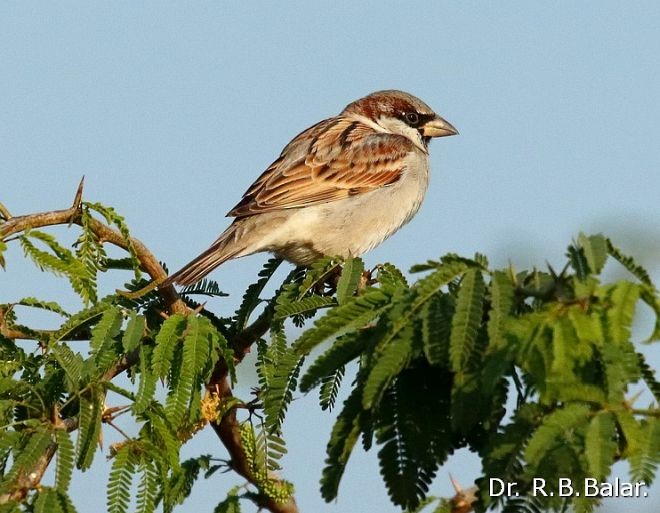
438	127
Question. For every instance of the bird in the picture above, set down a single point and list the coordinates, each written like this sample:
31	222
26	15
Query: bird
339	188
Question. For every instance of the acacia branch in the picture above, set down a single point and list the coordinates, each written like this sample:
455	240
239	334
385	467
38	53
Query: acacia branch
104	233
28	480
228	429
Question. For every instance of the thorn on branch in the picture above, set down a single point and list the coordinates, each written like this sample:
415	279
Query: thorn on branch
463	501
77	201
4	213
199	308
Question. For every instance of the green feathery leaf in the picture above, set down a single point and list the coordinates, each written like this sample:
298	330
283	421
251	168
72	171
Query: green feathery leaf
65	460
251	297
343	350
51	306
167	339
405	311
621	366
268	356
466	320
629	263
649	377
578	261
436	328
623	297
147	489
411	451
103	343
231	504
147	386
316	274
632	435
595	251
279	394
184	379
650	296
345	434
51	500
270	449
449	260
121	479
205	287
501	304
309	304
89	249
61	262
113	218
89	430
388	364
133	332
390	278
71	363
80	321
356	312
552	431
600	445
351	274
645	459
179	485
329	389
162	435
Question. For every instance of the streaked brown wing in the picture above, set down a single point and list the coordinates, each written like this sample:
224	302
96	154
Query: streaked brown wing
332	160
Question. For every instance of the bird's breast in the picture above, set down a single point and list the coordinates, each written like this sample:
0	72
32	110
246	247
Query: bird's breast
351	226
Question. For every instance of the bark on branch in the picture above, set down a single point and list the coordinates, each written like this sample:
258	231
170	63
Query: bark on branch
227	428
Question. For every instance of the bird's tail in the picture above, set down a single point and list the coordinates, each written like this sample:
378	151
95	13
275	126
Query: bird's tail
220	251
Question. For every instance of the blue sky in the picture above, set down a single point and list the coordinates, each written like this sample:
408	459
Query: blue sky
171	110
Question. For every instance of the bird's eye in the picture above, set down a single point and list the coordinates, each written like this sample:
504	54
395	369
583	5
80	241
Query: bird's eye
412	118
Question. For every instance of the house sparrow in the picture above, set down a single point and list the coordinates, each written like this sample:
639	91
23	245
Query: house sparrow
339	188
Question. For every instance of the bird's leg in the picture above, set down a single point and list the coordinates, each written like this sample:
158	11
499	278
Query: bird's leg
366	280
328	286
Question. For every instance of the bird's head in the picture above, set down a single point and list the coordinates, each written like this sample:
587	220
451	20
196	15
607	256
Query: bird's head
401	113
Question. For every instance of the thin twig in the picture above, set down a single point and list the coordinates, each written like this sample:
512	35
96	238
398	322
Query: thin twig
650	412
16	333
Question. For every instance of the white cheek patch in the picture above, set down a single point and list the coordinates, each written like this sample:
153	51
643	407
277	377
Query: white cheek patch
396	126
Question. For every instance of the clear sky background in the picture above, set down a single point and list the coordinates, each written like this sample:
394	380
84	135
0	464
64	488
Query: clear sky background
172	110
